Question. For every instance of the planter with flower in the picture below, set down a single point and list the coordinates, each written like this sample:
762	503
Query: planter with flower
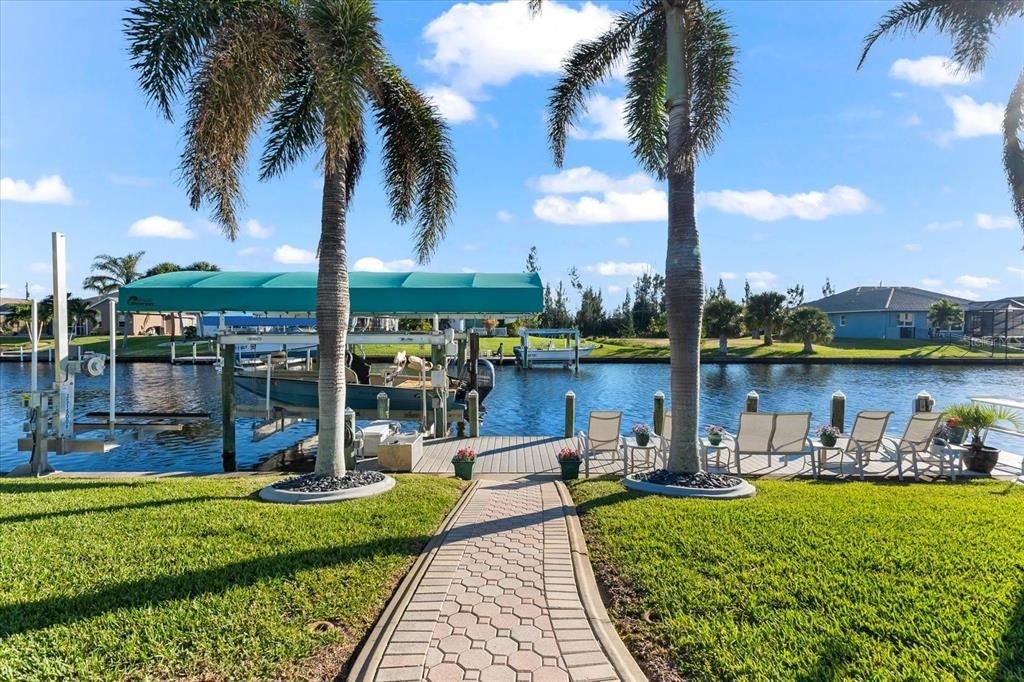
569	461
827	434
463	462
642	432
715	434
974	418
951	431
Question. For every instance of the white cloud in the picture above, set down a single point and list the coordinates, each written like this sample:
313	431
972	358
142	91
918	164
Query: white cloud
453	106
623	242
630	199
256	230
945	225
604	119
930	72
291	255
1009	268
766	206
912	121
963	293
614	288
912	247
613	207
761	279
39	267
931	282
976	282
38	289
505	217
371	264
158	226
131	180
479	45
46	190
586	179
973	119
613	269
987	221
728	275
3	286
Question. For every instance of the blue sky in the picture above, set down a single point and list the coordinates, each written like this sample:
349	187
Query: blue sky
891	174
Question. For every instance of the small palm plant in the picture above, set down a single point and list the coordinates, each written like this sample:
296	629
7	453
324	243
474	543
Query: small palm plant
945	314
722	317
976	418
315	73
110	273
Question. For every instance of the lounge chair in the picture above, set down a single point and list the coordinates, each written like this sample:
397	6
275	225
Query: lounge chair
602	437
865	437
917	442
771	433
791	436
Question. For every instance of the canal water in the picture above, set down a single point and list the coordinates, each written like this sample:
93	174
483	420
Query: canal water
523	403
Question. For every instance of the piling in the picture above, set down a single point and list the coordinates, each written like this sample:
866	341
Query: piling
753	400
839	411
383	405
570	413
350	439
172	352
440	418
659	412
227	398
473	400
923	402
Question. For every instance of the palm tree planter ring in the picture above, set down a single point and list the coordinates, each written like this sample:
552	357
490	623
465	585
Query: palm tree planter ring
311	488
700	484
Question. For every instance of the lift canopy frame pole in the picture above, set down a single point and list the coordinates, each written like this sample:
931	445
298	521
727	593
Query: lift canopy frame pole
112	363
34	336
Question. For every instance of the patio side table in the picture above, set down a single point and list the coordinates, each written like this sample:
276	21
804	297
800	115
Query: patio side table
650	453
707	447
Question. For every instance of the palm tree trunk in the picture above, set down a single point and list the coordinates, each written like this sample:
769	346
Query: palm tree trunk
332	308
723	344
684	281
808	347
768	340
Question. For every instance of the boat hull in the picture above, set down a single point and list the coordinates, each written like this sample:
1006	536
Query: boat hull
304	392
552	355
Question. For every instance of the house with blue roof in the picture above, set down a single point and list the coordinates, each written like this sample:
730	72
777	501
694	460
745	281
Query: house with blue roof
882	312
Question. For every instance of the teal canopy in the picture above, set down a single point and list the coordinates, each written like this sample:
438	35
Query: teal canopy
373	294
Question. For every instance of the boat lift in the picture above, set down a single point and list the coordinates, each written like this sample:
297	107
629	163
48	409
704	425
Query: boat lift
49	412
524	341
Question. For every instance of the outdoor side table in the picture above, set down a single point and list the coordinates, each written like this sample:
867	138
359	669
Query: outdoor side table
820	455
707	447
953	453
650	453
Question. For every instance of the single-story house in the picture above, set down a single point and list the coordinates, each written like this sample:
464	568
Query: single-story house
1000	319
882	312
138	323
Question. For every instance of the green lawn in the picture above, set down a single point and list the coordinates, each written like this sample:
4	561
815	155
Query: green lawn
816	581
192	578
138	346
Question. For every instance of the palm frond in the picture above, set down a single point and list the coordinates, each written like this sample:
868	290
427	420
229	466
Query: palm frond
295	124
419	165
1013	147
167	39
646	118
969	23
534	7
712	78
587	65
229	95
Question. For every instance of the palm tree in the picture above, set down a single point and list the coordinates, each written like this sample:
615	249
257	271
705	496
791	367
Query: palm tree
202	266
114	272
971	24
680	76
80	313
766	313
810	325
945	313
311	72
722	318
161	268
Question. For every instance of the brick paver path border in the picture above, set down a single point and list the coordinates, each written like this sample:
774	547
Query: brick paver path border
499	599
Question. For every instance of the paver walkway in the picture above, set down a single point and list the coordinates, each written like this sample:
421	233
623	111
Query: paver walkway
499	600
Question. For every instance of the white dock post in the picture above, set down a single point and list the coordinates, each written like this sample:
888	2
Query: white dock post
270	368
172	352
473	400
570	413
383	405
34	335
923	402
309	359
78	349
753	399
113	366
839	411
659	412
21	354
576	360
193	353
49	355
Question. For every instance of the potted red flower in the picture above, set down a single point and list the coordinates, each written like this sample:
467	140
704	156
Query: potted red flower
569	460
463	462
976	419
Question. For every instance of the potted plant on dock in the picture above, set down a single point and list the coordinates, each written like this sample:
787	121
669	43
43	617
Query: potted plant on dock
463	462
828	434
715	434
975	418
642	432
569	460
952	431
